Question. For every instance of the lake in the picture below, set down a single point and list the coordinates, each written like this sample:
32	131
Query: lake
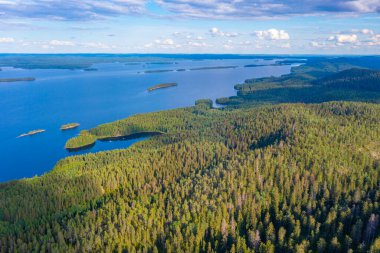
114	91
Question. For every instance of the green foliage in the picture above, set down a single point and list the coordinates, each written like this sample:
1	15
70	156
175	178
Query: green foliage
85	138
204	103
359	79
314	82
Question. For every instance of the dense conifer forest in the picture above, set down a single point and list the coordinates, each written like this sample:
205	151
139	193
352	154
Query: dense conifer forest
254	176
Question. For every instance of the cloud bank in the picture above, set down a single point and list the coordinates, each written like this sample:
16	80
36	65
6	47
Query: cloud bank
214	9
231	9
69	9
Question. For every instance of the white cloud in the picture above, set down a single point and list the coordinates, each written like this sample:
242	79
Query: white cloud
353	39
374	40
272	34
363	6
215	32
364	31
367	31
148	45
344	38
286	45
61	43
97	45
196	44
7	40
316	44
165	42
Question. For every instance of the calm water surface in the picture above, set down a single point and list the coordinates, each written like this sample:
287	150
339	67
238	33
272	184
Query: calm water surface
115	91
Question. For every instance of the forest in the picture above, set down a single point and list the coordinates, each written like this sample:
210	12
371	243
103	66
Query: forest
253	176
319	80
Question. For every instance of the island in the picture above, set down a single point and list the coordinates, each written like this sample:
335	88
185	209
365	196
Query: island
254	65
69	126
33	132
162	86
217	67
158	71
161	63
17	79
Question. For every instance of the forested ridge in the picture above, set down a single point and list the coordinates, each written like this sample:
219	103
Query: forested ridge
360	79
246	178
319	80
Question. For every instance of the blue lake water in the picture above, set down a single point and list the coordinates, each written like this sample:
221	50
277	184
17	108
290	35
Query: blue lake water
115	91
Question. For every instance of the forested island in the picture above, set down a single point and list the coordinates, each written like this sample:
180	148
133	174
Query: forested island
282	167
69	126
17	79
216	67
191	69
158	71
162	86
33	132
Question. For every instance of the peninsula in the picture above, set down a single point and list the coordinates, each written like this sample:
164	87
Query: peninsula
162	86
69	126
33	132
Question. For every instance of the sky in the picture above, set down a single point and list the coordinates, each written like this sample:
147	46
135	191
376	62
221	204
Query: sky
190	26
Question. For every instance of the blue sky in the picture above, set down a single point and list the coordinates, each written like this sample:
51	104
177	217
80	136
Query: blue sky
184	26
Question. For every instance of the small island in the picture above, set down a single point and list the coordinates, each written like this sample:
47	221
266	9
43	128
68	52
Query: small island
162	86
18	79
158	71
69	126
254	65
33	132
217	67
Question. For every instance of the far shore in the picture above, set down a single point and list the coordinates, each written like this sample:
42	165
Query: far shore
17	79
